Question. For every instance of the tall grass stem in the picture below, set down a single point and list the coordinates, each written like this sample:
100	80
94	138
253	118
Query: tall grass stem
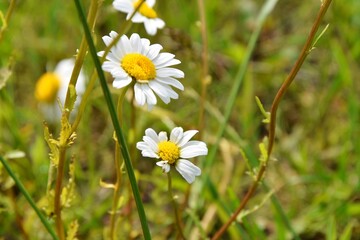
28	198
118	130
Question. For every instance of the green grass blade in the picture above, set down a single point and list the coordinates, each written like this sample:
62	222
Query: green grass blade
115	121
268	6
28	198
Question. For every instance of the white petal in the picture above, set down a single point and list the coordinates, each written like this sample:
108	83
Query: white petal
150	96
111	57
162	137
159	23
107	40
193	151
151	143
137	18
101	53
170	72
176	135
164	58
150	28
187	136
171	81
123	6
142	146
113	34
164	165
188	170
139	95
109	66
150	3
154	51
163	89
152	134
120	82
125	44
150	154
136	42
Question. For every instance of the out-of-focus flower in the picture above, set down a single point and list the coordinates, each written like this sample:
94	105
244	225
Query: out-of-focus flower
146	14
52	86
136	60
174	152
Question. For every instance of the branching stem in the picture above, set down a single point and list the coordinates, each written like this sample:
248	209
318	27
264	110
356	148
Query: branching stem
272	127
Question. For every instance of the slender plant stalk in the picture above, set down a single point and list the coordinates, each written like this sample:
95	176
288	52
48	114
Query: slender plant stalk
304	53
62	149
175	207
204	66
57	200
7	18
117	170
28	198
118	130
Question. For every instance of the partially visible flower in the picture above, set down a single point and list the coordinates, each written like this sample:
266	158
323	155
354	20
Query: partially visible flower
136	60
146	14
174	152
53	85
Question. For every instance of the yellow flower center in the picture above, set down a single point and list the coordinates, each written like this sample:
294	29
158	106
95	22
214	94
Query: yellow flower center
168	151
138	66
47	87
145	10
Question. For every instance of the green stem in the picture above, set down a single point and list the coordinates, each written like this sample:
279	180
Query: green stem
62	149
118	130
94	6
117	170
304	53
7	18
175	207
28	198
57	199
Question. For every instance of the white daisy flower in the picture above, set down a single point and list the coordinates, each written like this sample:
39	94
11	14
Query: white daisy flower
136	60
146	14
173	152
52	86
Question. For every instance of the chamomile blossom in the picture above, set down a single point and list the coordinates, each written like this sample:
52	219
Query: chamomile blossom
145	14
135	60
52	86
174	151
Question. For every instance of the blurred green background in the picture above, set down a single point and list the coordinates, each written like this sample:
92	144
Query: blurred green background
316	167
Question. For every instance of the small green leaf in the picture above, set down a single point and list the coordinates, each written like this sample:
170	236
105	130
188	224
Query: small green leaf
73	228
262	109
72	98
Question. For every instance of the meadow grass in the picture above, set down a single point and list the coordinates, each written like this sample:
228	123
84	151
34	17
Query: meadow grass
311	186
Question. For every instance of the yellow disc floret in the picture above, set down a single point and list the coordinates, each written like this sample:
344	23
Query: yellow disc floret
145	10
47	87
138	66
168	151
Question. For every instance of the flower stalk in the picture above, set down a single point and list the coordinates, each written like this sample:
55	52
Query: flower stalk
175	208
27	196
272	126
